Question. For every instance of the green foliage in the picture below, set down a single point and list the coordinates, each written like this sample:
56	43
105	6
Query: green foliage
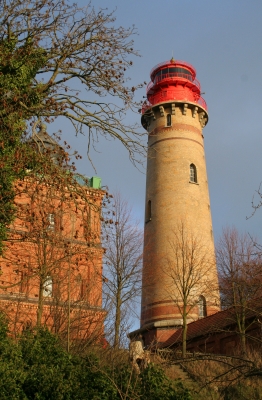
94	382
48	52
39	368
52	373
18	93
12	374
156	385
151	384
49	368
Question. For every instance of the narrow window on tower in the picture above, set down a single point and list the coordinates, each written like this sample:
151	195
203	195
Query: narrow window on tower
168	120
202	308
193	173
148	211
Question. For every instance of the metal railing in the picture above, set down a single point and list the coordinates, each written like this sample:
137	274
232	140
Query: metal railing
149	86
173	76
177	63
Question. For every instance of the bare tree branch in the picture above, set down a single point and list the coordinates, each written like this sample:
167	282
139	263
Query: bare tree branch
80	67
123	264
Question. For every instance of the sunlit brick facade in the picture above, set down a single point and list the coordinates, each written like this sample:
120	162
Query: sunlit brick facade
51	270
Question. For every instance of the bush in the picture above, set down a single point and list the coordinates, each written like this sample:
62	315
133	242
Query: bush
39	368
48	367
155	385
12	374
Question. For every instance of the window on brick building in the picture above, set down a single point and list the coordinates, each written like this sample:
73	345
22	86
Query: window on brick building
51	221
87	228
23	282
48	287
84	290
193	173
202	308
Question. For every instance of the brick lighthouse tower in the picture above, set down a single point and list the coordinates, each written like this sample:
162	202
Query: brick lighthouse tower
177	202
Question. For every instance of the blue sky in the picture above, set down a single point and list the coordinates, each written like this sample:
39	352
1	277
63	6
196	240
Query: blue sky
222	40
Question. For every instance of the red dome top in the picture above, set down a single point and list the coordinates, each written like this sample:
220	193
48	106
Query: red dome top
173	80
171	64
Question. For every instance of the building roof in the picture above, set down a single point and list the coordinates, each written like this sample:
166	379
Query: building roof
220	321
43	139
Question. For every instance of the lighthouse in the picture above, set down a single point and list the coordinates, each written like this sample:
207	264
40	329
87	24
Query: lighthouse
177	198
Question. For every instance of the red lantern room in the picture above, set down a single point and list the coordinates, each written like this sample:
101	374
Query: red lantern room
173	80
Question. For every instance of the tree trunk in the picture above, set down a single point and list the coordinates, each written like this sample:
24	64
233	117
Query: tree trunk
243	343
117	320
184	334
69	308
241	324
40	304
243	333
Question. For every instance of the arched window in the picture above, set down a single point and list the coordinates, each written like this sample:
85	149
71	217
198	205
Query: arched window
48	287
168	120
202	307
193	173
148	211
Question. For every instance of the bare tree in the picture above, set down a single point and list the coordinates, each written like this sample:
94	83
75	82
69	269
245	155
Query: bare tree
53	259
240	276
60	60
123	266
192	284
74	62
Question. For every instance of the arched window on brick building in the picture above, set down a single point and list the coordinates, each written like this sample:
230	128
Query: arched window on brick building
48	287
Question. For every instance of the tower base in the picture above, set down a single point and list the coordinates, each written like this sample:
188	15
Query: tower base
157	333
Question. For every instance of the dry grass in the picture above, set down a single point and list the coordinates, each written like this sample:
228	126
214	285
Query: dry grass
227	378
215	377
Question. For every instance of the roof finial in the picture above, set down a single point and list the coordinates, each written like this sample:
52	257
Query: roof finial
172	59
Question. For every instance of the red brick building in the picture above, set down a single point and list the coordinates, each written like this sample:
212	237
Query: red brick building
219	334
51	270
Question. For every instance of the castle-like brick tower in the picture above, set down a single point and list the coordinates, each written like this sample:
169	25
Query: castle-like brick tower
177	200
